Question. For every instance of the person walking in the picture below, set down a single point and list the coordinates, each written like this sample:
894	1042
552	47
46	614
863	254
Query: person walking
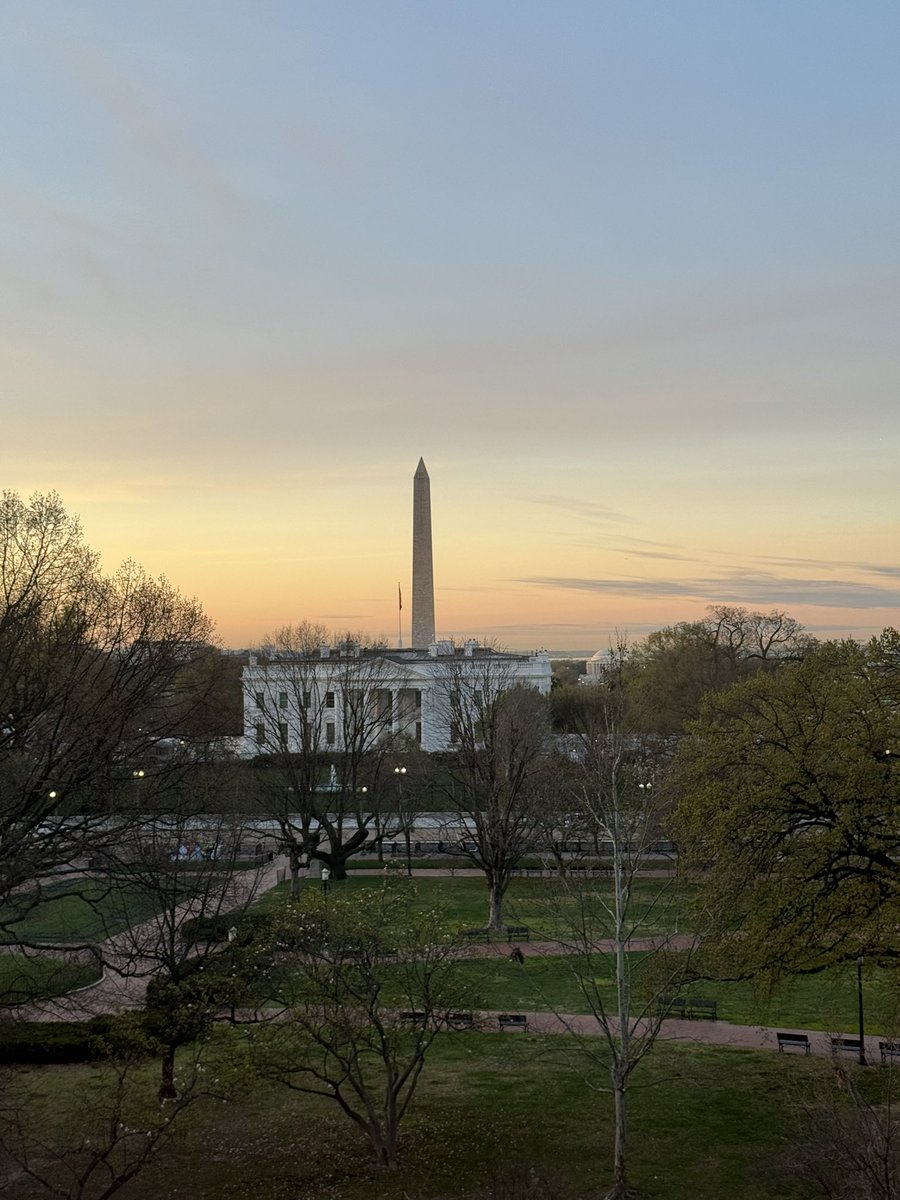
326	880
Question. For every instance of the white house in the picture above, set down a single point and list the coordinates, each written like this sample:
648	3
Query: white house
328	697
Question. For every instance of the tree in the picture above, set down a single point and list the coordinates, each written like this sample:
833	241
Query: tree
495	777
672	671
93	679
86	1138
192	890
325	724
789	800
613	778
848	1143
347	968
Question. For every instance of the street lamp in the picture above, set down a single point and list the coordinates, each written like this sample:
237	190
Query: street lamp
400	772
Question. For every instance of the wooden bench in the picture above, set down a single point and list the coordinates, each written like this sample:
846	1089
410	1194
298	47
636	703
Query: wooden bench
518	933
413	1017
793	1041
699	1007
461	1020
889	1051
513	1021
845	1045
484	934
671	1006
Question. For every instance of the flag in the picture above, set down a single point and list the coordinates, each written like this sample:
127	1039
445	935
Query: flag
400	597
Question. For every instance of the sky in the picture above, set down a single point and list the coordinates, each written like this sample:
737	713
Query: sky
626	275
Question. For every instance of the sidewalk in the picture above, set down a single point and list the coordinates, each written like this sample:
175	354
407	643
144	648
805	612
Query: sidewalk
128	970
129	960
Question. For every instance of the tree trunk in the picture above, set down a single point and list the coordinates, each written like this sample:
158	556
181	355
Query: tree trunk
622	1054
295	873
167	1089
620	1185
384	1142
496	892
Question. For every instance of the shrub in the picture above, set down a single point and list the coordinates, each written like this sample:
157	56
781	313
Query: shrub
100	1038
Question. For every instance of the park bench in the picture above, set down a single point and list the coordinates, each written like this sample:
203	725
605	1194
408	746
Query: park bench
699	1007
518	933
461	1020
889	1051
513	1021
845	1045
481	934
672	1006
793	1041
413	1017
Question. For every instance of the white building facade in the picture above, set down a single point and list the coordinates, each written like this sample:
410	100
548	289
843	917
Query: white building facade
338	694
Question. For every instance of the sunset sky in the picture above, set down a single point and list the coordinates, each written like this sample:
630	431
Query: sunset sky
626	274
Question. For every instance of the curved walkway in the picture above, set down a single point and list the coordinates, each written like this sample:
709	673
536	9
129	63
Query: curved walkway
124	982
129	960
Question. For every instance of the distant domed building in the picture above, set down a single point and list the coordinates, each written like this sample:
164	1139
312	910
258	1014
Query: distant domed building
596	667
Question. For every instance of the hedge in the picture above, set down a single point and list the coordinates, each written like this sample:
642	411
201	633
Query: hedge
70	1041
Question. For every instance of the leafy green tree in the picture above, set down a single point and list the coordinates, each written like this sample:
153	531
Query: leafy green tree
789	799
671	672
346	968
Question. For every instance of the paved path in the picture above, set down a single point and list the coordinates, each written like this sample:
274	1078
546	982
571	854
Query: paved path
127	971
706	1033
129	960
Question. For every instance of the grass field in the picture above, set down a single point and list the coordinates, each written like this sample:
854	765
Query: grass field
827	1002
36	977
82	910
659	906
717	1123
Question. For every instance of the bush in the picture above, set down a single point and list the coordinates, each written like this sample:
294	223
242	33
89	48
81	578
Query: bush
100	1038
215	928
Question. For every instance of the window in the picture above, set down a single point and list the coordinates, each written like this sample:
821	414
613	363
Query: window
307	699
329	699
260	735
455	736
260	700
419	732
479	698
283	732
329	733
282	699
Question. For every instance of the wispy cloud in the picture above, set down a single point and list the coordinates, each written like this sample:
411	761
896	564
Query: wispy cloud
587	510
739	587
892	571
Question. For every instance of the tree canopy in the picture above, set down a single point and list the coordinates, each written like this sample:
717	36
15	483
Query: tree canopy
97	674
789	796
675	667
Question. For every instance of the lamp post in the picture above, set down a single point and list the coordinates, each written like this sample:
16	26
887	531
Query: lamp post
862	1024
400	772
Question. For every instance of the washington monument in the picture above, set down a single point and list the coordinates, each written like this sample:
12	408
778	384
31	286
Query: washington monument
423	570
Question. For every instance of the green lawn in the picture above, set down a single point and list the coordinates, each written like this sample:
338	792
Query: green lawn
716	1123
827	1002
24	978
538	903
82	910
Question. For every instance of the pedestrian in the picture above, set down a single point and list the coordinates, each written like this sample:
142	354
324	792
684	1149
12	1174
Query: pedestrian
326	880
516	956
